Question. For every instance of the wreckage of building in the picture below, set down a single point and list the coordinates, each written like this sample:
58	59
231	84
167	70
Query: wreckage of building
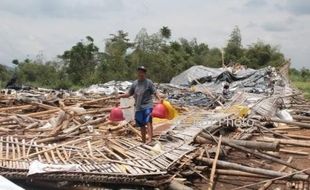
253	136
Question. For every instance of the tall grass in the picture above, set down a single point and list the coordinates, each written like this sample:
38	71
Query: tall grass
301	81
304	86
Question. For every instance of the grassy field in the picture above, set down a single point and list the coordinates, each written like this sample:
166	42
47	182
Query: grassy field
304	86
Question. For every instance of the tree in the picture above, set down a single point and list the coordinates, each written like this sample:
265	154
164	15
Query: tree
305	74
5	74
31	72
214	58
165	32
83	64
15	61
260	55
233	50
81	61
114	66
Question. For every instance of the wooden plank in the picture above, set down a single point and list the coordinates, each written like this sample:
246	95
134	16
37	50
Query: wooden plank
214	163
117	170
111	152
101	153
23	147
150	165
53	147
7	148
15	108
37	150
53	155
1	147
135	162
136	168
18	148
90	149
60	156
29	148
159	165
65	153
294	152
13	147
46	155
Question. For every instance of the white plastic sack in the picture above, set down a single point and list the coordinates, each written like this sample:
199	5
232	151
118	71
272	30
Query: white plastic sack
284	115
38	167
127	105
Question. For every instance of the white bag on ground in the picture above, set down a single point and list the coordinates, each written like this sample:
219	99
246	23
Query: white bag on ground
284	115
38	167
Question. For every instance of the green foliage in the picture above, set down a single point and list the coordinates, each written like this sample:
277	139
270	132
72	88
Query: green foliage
260	54
114	58
81	61
233	50
303	86
15	61
303	75
301	80
165	32
32	73
84	64
214	57
5	74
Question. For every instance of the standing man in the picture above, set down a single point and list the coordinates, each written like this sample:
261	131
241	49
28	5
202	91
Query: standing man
143	90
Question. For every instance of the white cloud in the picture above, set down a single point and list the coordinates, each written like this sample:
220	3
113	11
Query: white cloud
31	26
298	7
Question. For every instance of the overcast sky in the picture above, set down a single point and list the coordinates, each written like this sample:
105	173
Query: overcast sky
30	27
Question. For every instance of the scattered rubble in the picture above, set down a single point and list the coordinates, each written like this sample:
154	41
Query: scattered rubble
256	136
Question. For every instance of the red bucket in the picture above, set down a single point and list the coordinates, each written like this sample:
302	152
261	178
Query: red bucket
116	114
160	111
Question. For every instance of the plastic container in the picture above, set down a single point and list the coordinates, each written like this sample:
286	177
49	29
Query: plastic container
172	113
116	114
160	111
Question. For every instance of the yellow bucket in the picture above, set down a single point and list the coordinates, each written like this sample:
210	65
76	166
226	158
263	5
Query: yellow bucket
172	113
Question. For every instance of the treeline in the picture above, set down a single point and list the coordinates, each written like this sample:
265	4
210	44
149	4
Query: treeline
85	64
302	75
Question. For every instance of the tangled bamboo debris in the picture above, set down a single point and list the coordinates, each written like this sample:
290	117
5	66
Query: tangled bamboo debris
302	143
75	130
272	146
229	165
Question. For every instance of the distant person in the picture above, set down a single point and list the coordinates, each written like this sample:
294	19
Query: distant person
143	90
226	92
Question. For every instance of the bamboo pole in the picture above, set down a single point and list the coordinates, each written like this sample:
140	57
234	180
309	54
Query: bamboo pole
260	171
53	147
272	146
302	143
259	154
239	173
294	152
37	114
298	136
291	175
295	123
267	184
214	163
271	131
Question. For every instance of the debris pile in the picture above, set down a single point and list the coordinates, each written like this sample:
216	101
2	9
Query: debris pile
254	133
109	88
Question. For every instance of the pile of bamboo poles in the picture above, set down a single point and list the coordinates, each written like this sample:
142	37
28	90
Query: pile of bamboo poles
272	154
67	129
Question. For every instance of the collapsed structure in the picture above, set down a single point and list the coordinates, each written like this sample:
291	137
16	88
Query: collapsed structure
67	136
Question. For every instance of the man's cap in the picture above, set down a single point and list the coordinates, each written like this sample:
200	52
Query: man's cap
142	68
